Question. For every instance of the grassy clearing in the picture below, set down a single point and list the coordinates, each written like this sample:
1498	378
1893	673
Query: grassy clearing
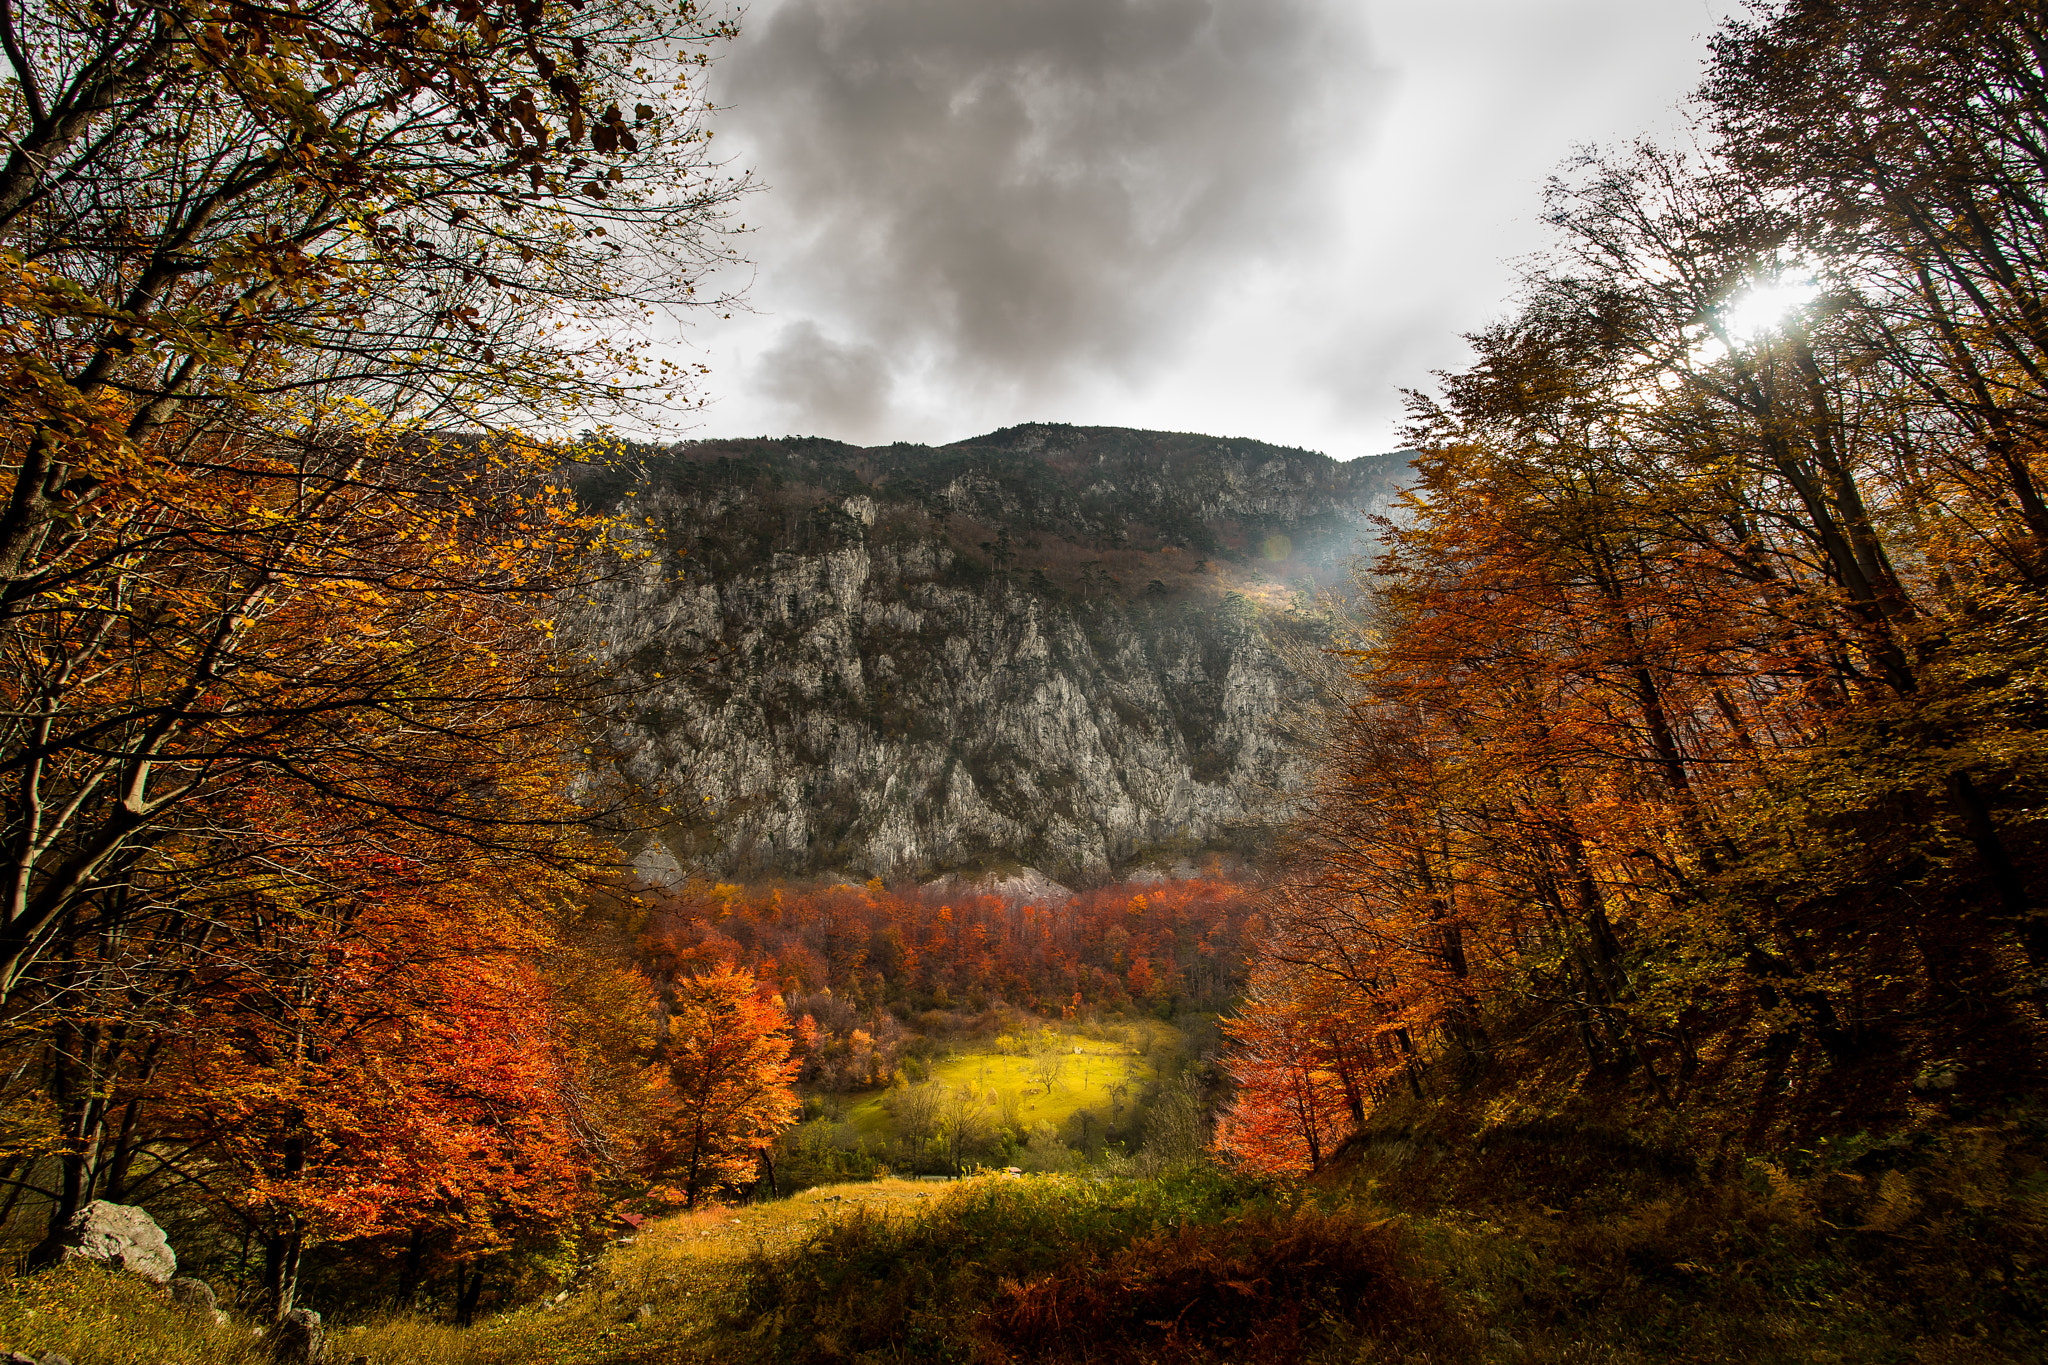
1101	1076
722	1233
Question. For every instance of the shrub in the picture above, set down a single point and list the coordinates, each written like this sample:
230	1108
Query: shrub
1057	1267
1262	1286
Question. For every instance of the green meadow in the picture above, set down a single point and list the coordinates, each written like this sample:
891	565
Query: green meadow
1101	1078
1023	1081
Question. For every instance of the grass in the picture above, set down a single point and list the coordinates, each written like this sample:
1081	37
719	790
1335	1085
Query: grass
96	1316
992	1269
657	1297
1548	1244
1196	1267
1568	1242
1088	1080
679	1266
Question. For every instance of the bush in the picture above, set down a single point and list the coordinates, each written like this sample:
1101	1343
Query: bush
1256	1287
1059	1267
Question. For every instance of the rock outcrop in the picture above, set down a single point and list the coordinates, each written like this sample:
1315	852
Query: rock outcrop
298	1339
1048	647
119	1235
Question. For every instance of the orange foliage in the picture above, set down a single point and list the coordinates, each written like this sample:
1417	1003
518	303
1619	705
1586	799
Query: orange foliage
1290	1101
729	1079
1694	708
1162	942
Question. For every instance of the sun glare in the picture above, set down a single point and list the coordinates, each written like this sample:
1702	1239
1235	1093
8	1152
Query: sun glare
1761	309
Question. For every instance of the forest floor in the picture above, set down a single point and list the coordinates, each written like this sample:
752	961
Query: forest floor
1557	1244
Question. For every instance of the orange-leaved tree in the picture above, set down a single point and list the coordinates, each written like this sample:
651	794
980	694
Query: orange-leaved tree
364	1044
1290	1109
729	1079
1692	709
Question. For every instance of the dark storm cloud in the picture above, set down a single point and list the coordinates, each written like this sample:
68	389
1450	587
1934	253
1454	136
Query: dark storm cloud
998	192
841	386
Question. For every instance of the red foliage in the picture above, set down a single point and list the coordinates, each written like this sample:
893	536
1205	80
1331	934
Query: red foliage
851	962
1177	943
1291	1087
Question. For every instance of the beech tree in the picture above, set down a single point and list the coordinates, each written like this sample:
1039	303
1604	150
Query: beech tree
433	214
1289	1110
278	580
729	1079
1692	701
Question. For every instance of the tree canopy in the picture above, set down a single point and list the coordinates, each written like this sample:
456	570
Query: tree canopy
1693	722
295	306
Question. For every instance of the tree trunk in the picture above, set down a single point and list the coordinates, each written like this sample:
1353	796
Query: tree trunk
16	1188
75	1164
281	1254
466	1300
409	1273
2005	879
125	1147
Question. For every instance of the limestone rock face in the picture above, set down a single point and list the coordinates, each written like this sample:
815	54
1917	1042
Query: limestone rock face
1049	647
122	1236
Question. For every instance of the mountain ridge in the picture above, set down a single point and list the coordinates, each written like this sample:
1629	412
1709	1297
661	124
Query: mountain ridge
1046	646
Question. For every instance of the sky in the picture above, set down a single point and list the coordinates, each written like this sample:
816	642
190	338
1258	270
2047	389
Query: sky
1255	218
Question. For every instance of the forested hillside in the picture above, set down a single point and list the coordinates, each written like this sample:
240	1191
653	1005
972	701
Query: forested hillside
847	952
1047	646
1694	754
561	900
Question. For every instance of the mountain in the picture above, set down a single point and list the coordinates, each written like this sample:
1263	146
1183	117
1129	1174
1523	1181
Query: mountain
1047	647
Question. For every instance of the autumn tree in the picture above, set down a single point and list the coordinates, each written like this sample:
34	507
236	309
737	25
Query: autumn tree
278	587
964	1123
357	1043
1912	138
729	1073
1696	674
1047	1061
1289	1111
249	745
215	209
261	259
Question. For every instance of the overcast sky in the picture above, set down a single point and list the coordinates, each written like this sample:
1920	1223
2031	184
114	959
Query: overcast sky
1243	217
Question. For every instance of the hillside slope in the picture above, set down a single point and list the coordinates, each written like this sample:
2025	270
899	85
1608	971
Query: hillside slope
1046	646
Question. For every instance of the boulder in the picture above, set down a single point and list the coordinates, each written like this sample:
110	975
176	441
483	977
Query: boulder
196	1296
119	1235
298	1339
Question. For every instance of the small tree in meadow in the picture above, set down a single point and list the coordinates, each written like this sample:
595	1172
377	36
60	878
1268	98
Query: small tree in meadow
730	1074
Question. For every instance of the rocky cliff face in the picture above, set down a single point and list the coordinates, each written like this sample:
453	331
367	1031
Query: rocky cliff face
1047	647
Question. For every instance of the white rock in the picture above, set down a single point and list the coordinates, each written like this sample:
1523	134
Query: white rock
122	1236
